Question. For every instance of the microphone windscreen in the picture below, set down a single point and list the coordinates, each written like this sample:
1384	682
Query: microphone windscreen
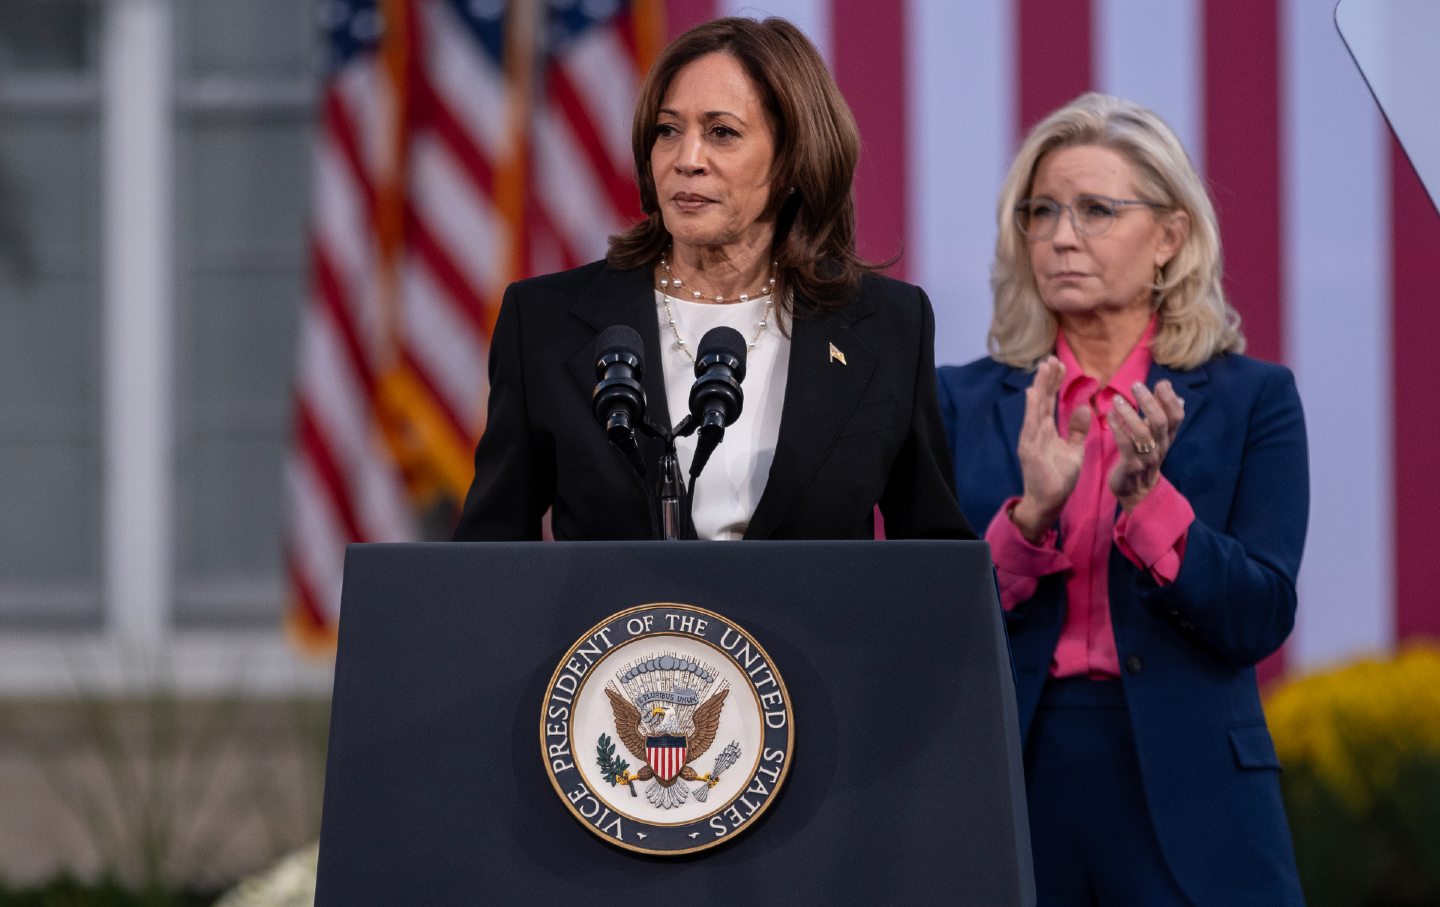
724	341
619	338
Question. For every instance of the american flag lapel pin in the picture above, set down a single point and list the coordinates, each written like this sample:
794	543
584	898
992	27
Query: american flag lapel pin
836	355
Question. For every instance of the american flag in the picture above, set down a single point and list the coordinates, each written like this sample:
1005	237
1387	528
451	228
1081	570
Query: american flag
1332	248
462	144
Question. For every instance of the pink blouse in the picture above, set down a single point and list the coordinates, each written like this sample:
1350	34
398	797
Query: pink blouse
1152	537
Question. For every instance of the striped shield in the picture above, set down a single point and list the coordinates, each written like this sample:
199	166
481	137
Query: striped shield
666	755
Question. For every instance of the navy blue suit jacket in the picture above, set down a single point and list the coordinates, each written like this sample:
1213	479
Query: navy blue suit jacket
1187	650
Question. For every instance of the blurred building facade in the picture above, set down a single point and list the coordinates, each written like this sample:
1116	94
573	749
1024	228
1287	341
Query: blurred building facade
154	165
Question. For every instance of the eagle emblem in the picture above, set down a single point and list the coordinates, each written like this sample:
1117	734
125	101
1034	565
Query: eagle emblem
667	717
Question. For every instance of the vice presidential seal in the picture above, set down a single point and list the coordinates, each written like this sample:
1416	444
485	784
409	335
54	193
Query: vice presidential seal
666	729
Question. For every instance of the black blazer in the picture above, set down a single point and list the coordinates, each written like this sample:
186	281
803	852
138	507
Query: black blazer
852	435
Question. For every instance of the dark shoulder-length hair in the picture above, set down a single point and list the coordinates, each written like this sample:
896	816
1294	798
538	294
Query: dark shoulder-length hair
816	148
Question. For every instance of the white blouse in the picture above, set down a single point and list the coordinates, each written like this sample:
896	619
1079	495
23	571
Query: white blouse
725	495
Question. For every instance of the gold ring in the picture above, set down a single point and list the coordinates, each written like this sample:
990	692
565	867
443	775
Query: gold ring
1147	447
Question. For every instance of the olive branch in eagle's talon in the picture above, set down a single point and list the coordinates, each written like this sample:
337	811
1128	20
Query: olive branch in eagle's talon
612	768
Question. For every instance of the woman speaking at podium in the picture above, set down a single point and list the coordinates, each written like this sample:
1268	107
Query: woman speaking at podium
1146	491
745	153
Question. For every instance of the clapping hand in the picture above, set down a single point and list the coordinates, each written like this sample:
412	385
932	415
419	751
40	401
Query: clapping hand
1049	461
1142	440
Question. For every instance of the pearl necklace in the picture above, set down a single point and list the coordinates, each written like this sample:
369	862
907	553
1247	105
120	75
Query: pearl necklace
668	280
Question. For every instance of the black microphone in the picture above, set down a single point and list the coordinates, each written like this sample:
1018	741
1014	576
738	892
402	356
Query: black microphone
618	400
716	398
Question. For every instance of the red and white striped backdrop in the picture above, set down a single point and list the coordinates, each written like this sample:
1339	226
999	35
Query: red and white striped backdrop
1332	249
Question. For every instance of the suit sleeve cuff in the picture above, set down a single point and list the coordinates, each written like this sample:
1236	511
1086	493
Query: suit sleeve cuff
1015	554
1152	536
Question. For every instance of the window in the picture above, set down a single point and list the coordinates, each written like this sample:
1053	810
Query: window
246	79
50	417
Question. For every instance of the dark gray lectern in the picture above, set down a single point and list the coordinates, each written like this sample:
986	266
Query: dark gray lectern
905	780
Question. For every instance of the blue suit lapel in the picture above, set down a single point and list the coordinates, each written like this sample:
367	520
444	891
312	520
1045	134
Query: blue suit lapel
1189	385
1011	407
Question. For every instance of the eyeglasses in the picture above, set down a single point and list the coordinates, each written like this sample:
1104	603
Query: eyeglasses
1090	215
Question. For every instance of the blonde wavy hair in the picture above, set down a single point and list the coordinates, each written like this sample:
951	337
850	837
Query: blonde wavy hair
1195	322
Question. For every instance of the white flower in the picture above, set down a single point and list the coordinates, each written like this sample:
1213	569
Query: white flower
289	883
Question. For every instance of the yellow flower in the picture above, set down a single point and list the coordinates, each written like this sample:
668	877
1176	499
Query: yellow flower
1355	726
